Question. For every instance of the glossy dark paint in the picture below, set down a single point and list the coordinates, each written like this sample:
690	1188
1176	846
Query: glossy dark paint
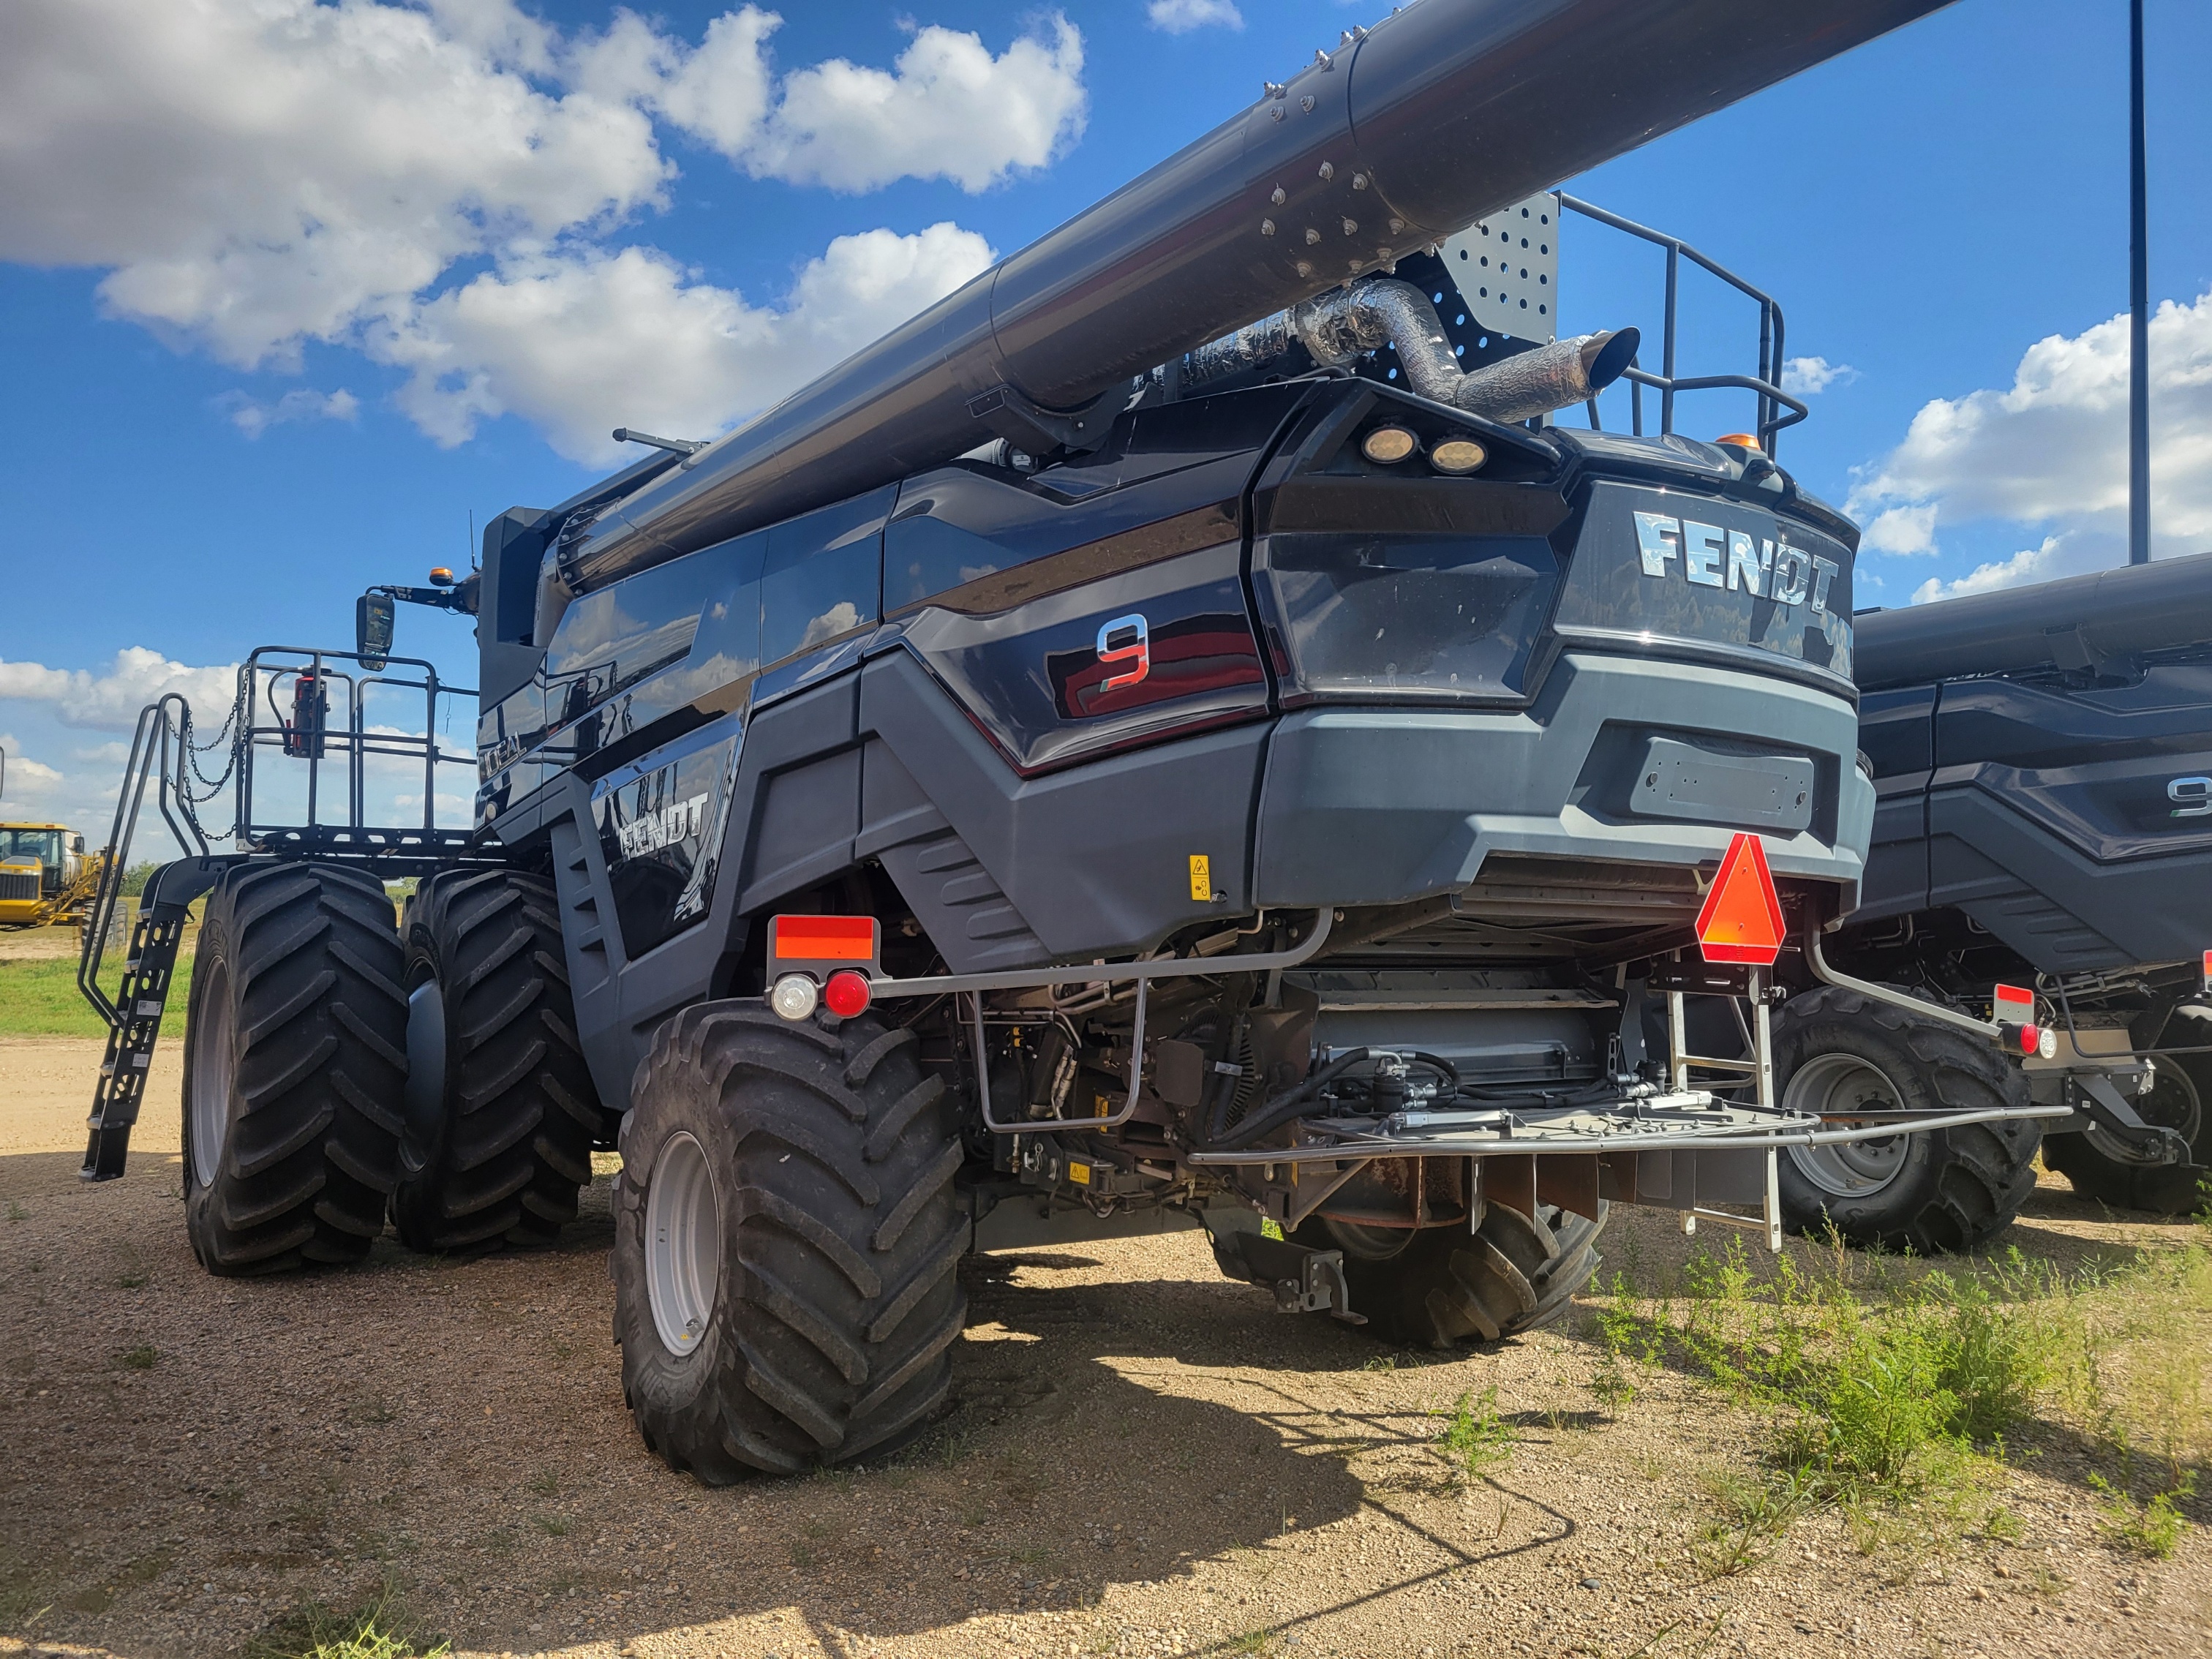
663	823
1611	600
1436	115
1031	678
2072	623
1362	583
2036	804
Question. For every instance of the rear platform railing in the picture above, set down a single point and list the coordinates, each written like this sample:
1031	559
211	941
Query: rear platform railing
339	757
1765	385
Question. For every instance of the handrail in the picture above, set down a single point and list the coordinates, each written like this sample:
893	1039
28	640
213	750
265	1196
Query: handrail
1766	383
149	742
353	738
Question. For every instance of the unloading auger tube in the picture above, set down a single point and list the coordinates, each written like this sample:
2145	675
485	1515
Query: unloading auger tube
1441	113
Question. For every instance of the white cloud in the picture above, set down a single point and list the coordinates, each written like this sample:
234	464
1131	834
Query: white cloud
261	172
257	174
300	404
1902	530
1806	376
951	111
1181	16
2033	564
24	778
2052	449
578	344
110	701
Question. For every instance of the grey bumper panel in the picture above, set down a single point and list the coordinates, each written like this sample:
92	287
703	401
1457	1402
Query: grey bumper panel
1379	806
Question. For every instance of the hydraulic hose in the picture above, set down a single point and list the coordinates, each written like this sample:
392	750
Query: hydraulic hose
1283	1108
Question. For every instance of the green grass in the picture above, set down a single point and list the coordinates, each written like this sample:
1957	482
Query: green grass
316	1633
1890	1388
39	997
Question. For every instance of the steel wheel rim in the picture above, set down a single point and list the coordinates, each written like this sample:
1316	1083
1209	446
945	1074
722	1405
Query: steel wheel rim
2172	1103
214	1068
683	1243
1835	1085
423	1099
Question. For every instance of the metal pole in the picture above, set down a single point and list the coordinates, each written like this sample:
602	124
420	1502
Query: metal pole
2138	304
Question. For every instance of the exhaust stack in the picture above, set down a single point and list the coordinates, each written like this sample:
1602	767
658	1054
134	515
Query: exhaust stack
1378	311
1440	114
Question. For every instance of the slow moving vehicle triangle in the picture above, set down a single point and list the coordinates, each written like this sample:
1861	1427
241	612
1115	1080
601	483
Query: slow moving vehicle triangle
1741	921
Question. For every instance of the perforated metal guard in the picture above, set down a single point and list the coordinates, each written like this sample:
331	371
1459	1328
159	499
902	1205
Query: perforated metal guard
1507	267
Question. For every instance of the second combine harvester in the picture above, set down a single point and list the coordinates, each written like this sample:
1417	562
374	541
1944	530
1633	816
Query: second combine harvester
1111	747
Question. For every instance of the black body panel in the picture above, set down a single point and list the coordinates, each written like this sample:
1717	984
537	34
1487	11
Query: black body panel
1223	663
2065	810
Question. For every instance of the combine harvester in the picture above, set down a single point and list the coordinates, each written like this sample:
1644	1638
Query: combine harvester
2043	758
1170	732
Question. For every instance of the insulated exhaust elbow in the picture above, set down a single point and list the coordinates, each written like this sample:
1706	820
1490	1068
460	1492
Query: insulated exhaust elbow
1551	377
1342	324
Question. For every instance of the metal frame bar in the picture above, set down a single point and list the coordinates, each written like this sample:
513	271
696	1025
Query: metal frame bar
972	986
1627	1140
357	743
1766	384
1894	998
1037	979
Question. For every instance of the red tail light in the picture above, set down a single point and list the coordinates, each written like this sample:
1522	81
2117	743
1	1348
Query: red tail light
847	994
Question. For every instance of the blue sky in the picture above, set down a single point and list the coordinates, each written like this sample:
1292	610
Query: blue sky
282	308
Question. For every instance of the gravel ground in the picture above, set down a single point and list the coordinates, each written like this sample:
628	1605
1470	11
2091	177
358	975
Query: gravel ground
1143	1459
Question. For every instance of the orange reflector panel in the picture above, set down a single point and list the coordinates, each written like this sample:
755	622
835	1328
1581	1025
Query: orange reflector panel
2015	1005
1742	918
2208	970
823	938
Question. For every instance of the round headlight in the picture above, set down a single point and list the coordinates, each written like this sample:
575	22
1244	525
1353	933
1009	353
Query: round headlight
1388	445
1457	456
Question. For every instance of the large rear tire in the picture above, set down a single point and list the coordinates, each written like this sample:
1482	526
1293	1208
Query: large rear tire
501	1113
785	1239
2180	1098
294	1059
1836	1053
1436	1287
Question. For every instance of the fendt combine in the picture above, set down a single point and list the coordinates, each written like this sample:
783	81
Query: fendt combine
2044	762
1171	731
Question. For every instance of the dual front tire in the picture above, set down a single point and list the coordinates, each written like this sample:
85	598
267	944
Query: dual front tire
335	1075
499	1114
294	1054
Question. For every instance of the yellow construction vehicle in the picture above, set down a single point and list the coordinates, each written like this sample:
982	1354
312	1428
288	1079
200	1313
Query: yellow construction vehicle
46	875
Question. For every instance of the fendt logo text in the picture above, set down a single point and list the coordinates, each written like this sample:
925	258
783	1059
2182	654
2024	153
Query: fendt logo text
651	832
1730	559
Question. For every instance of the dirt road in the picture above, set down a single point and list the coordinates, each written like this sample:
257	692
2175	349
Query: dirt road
1143	1459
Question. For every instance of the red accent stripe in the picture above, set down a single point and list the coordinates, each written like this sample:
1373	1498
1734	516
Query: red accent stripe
824	939
2013	998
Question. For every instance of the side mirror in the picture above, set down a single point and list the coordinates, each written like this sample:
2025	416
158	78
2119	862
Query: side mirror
374	616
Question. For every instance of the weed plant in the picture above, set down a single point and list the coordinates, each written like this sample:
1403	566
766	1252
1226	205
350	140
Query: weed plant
1892	1389
316	1633
1474	1437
